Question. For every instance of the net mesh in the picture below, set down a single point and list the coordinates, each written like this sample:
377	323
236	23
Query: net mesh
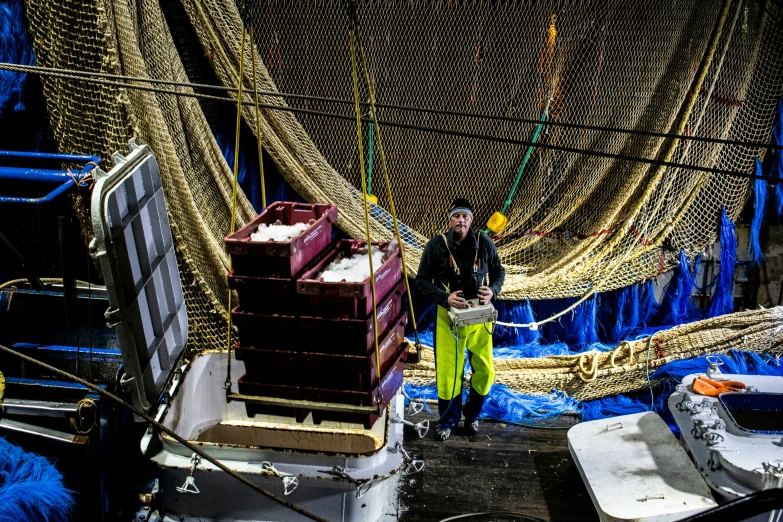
132	38
577	223
623	369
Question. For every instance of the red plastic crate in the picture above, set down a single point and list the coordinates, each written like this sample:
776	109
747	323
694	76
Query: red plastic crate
352	336
271	366
352	300
267	295
282	258
267	331
247	387
352	372
391	381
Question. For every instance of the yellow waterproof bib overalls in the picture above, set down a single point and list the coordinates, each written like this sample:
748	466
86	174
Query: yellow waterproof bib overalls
450	345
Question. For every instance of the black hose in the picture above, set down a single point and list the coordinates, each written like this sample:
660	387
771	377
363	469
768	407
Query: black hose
743	508
502	514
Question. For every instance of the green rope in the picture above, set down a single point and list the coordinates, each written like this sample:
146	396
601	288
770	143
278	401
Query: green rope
524	161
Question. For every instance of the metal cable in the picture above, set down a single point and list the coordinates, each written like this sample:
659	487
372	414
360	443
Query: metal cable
81	75
483	137
504	514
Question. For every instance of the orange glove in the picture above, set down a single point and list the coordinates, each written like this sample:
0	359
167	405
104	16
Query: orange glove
704	386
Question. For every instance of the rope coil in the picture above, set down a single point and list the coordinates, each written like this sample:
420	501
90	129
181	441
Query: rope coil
77	424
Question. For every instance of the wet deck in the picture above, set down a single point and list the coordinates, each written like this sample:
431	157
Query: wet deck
505	468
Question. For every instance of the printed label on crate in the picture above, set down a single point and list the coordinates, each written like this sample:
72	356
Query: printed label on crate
312	234
389	376
381	275
388	342
385	309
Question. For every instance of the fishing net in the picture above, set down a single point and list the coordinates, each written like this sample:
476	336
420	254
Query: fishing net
578	223
594	374
132	38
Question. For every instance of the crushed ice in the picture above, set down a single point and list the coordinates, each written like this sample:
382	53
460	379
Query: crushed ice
354	269
278	232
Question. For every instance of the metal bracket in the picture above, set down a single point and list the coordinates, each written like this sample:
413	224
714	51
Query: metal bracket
124	382
176	379
701	430
712	462
190	481
774	468
113	317
290	482
696	408
714	368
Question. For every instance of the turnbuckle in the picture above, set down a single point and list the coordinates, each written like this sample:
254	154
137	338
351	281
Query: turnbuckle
290	482
421	428
413	465
190	481
362	485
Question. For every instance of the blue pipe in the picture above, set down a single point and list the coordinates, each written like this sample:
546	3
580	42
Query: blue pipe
48	383
9	200
30	174
104	355
74	158
43	175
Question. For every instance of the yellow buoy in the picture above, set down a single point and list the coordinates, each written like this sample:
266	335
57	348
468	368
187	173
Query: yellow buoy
372	198
497	223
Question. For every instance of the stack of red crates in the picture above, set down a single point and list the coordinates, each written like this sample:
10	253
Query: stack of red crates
305	339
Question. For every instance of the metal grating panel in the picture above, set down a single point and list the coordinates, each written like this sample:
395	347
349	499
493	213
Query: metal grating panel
135	247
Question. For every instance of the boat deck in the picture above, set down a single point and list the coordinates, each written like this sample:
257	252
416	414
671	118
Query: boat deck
504	468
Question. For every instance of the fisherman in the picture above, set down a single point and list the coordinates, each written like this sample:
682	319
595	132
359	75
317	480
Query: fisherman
454	268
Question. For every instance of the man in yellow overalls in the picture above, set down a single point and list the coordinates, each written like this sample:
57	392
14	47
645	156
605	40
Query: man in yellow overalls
454	267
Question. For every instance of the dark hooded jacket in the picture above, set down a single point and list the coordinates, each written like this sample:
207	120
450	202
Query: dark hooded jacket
437	278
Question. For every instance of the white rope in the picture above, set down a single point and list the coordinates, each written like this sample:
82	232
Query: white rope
530	326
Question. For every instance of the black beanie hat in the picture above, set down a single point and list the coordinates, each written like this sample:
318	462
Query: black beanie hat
461	205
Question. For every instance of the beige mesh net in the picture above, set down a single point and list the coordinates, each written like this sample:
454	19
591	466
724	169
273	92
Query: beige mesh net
132	38
593	375
577	223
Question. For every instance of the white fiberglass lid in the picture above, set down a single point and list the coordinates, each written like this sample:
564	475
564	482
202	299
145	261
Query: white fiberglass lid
134	245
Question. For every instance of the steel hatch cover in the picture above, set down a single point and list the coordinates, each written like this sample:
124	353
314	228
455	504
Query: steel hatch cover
135	247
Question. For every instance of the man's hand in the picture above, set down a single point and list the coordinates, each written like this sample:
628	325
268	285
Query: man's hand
455	300
485	294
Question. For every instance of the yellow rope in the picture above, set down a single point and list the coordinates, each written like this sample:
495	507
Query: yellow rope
78	427
588	374
366	204
258	121
15	282
385	178
618	351
236	181
2	386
